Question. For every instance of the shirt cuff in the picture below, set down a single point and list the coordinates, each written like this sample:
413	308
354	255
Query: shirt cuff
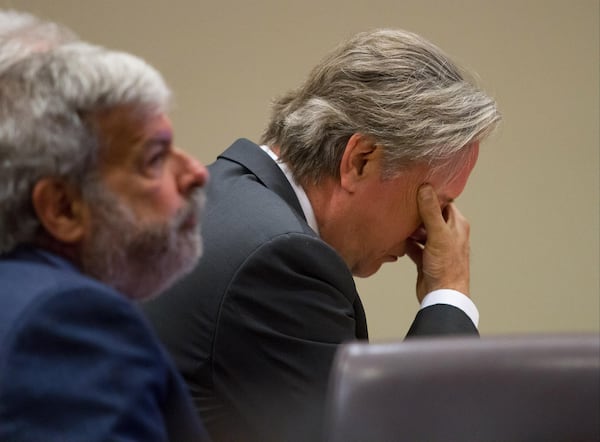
454	298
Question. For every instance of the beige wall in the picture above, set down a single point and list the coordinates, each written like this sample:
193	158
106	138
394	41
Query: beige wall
534	197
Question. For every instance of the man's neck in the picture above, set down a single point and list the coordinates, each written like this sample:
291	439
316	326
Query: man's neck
303	199
325	200
66	251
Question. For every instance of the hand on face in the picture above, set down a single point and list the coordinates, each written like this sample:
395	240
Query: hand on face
442	253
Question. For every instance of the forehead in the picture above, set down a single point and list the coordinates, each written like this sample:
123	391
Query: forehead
448	179
451	178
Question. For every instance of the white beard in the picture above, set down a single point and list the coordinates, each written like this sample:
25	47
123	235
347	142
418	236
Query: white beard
139	259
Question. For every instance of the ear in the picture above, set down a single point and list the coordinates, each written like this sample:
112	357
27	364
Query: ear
60	209
359	161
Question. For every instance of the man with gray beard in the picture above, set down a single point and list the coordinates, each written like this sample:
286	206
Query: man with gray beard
98	208
166	248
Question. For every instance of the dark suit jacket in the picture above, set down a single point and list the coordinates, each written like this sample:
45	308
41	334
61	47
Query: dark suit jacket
78	362
255	327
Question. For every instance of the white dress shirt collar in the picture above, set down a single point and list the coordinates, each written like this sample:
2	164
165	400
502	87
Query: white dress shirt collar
309	213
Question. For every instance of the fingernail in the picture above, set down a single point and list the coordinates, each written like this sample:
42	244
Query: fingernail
425	192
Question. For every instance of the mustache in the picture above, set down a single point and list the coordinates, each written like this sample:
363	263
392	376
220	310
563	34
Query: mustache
194	207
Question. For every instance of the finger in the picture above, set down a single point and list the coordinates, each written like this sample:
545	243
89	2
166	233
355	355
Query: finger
455	219
414	250
450	213
429	208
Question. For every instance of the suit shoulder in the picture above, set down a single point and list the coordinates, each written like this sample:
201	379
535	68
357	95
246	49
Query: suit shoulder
37	296
246	202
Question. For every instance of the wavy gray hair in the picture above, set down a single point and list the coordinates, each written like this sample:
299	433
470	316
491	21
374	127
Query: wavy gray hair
391	85
48	101
22	33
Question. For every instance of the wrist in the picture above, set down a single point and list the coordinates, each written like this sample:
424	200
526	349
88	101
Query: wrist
454	298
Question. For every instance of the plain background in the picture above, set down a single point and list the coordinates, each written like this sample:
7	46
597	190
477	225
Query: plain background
533	199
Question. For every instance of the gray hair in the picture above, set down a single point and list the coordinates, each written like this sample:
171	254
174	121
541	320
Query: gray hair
48	101
22	34
391	85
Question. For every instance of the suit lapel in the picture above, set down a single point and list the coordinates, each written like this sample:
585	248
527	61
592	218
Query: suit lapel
360	319
253	158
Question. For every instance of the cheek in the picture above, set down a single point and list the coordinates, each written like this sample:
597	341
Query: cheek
407	218
410	224
399	220
166	202
157	202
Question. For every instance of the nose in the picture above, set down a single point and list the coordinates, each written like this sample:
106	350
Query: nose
191	174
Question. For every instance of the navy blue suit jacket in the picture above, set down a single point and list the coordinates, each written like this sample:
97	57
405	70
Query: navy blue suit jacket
255	327
79	363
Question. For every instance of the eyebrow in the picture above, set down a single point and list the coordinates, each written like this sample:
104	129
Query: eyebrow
161	137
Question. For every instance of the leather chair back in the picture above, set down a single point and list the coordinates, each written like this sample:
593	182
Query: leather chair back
519	388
